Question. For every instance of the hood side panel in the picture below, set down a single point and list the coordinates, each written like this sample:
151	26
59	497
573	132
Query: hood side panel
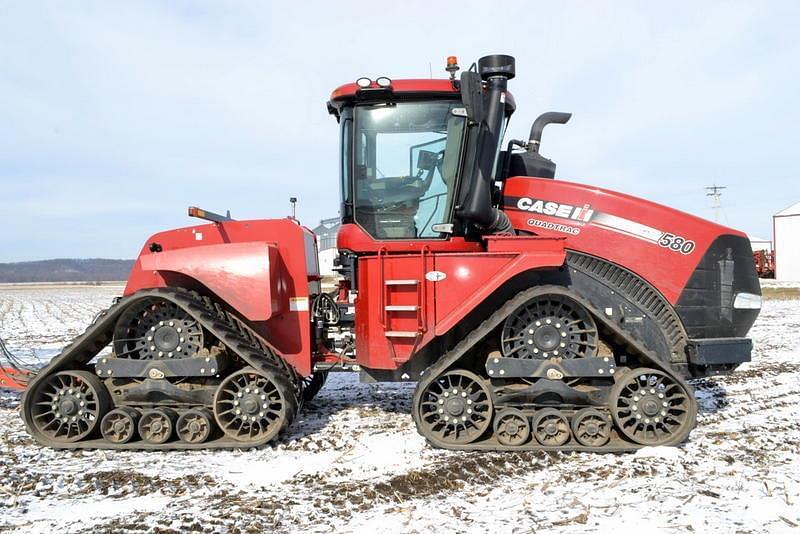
660	244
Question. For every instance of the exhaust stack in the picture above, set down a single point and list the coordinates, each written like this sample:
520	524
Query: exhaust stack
530	162
551	117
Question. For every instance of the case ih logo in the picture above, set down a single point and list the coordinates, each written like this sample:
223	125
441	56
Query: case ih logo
555	209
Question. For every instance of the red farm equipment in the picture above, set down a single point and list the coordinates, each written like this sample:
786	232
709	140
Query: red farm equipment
533	313
765	263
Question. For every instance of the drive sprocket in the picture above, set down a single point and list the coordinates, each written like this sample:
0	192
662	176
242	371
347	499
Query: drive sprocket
549	326
157	329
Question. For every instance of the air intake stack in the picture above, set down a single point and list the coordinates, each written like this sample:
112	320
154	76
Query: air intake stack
483	93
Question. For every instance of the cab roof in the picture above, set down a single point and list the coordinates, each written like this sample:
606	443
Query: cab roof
351	92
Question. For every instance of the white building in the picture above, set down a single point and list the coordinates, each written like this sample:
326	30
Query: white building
757	243
786	230
326	244
326	258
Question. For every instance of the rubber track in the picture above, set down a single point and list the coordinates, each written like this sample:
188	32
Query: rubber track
492	322
236	336
314	384
254	341
639	292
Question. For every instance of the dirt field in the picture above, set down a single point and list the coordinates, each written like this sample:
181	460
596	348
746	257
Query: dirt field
354	462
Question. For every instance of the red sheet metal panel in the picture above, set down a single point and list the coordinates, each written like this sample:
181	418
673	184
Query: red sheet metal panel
260	268
660	244
406	300
244	275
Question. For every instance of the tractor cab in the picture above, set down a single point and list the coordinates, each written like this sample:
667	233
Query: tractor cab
405	163
418	157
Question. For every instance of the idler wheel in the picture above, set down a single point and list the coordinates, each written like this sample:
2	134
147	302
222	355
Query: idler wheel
591	427
194	426
650	407
68	406
456	408
251	406
511	427
549	326
119	425
156	425
550	427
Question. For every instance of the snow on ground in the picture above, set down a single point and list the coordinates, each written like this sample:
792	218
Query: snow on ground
770	283
354	462
36	320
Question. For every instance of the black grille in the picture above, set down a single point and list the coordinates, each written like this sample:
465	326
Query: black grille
706	303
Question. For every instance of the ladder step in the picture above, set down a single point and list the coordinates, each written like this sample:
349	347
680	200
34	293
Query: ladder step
402	282
401	308
397	333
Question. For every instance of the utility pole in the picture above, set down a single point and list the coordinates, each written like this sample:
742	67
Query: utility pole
715	192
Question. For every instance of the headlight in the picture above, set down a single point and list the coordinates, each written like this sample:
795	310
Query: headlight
747	301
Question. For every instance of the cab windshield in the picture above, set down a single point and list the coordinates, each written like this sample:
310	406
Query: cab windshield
406	159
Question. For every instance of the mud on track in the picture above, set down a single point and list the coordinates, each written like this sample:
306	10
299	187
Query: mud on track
354	462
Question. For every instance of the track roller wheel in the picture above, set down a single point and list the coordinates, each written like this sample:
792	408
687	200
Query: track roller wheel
253	407
511	427
119	425
591	427
456	408
550	427
650	407
194	426
156	426
68	406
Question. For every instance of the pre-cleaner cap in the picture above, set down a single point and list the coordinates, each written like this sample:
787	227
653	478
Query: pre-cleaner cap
497	65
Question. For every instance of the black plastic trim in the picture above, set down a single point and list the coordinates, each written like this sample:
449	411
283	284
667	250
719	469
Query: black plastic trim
705	305
720	351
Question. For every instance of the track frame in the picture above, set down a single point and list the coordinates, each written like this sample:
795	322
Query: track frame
632	347
237	337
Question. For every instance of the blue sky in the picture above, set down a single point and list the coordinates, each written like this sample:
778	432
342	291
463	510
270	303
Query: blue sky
114	117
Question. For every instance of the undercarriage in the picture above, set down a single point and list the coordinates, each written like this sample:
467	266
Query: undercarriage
555	377
187	374
541	373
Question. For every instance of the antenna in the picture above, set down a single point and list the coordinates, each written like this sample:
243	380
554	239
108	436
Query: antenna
715	192
430	70
293	201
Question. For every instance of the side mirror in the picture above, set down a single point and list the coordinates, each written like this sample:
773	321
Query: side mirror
427	160
472	96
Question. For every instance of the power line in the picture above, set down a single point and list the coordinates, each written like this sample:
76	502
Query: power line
715	192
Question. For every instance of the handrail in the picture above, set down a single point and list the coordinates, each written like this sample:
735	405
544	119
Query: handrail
382	317
422	294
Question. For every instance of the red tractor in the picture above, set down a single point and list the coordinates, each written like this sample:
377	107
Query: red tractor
532	313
